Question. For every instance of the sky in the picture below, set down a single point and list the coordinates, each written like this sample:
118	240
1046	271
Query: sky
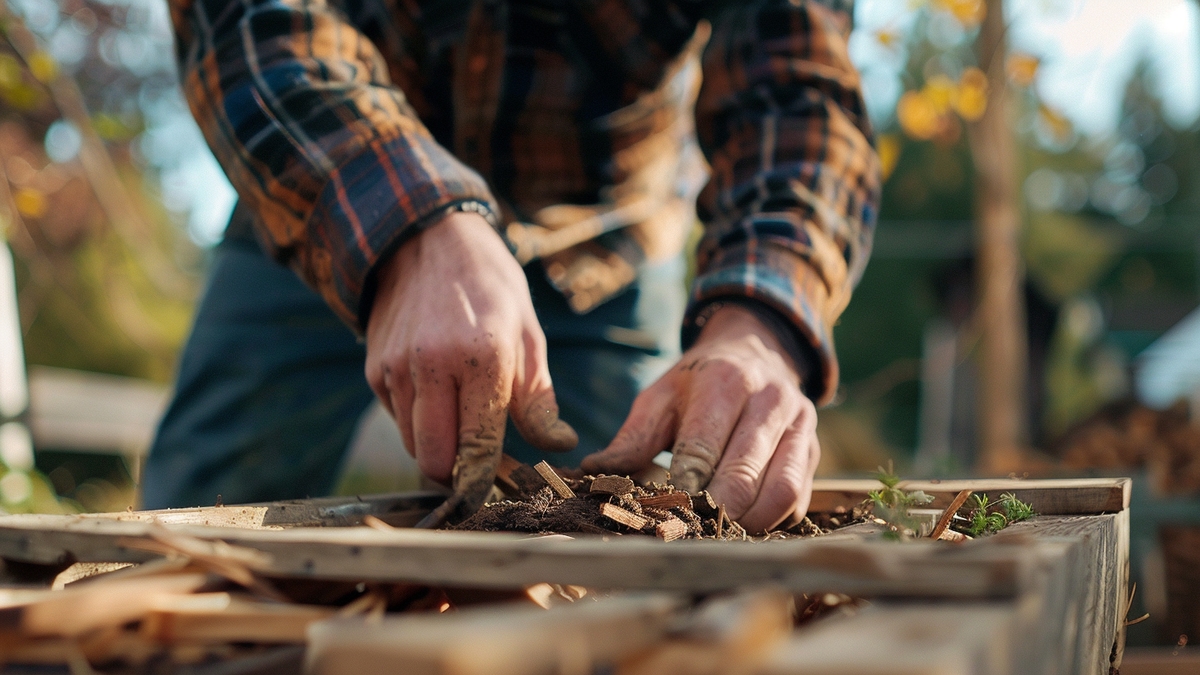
1088	49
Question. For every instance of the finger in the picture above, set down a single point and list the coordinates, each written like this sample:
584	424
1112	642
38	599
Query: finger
739	475
399	404
534	409
483	403
712	412
435	424
787	485
647	431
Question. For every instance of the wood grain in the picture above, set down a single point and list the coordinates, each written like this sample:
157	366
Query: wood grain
494	560
1057	497
554	480
584	637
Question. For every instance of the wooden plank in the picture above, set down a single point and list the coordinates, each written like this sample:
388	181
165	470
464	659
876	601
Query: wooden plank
728	634
220	617
1055	497
1161	661
1098	589
494	560
93	412
401	509
87	607
580	638
904	640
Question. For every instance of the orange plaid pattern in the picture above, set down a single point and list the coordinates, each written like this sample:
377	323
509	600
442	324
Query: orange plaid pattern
575	126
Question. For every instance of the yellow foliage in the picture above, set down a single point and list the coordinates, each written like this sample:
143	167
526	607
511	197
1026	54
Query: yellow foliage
1022	68
1059	127
941	91
969	13
10	71
972	97
43	66
918	115
888	146
31	203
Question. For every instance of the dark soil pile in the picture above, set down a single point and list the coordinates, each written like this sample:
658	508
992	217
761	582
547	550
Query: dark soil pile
613	505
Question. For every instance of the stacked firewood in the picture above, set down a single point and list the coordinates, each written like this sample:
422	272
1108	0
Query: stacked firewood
1127	435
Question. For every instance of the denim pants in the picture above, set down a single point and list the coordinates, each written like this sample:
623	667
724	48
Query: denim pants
271	386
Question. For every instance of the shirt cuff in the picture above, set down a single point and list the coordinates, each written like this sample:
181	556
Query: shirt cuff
777	280
372	204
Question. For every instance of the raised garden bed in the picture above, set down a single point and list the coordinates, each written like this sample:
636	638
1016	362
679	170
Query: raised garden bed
1047	595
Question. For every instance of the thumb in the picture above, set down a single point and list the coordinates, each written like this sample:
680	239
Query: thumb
534	412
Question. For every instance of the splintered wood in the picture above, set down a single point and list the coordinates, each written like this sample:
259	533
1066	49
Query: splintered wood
670	500
670	529
613	485
554	480
605	505
620	515
1047	595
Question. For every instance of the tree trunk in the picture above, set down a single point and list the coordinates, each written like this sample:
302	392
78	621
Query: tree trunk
1000	311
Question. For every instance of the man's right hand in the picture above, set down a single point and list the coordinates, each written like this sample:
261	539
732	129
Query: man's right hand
453	345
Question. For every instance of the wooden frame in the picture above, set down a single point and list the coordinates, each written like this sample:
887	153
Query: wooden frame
1044	596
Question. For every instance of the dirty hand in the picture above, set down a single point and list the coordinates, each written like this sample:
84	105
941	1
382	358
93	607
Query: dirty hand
454	345
732	406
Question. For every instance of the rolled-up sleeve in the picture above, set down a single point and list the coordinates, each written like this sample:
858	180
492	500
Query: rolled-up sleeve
790	207
299	109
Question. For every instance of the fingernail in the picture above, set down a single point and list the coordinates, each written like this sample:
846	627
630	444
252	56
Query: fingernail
689	474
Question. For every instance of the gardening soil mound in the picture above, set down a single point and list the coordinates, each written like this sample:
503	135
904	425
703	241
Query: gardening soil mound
609	505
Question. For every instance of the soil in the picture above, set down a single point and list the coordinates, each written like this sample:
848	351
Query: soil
535	508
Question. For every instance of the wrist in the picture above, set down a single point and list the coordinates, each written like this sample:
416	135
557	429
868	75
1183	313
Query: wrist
775	331
454	233
731	320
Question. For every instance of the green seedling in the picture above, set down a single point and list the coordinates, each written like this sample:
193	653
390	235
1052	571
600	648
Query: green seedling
986	517
891	504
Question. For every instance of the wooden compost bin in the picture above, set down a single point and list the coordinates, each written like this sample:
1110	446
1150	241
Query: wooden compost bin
1044	596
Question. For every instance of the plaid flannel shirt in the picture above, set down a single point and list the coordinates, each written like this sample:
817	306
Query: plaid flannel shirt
572	125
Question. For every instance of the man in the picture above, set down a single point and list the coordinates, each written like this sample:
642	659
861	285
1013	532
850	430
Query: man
395	154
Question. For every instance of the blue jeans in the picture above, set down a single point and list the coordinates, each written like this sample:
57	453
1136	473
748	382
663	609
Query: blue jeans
271	385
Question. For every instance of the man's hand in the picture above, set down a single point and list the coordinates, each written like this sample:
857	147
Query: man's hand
733	409
453	345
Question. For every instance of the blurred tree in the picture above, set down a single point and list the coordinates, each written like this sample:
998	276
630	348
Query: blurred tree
1000	275
103	271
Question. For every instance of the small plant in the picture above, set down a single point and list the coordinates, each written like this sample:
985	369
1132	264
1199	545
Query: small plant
1015	509
891	504
986	517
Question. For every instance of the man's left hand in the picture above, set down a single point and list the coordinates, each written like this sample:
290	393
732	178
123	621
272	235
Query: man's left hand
735	419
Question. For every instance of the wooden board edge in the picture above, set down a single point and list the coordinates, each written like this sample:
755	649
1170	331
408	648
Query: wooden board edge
1051	497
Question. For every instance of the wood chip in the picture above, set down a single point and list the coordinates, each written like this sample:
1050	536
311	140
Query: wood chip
952	535
944	522
670	529
669	500
554	480
704	505
517	480
613	485
376	524
620	515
